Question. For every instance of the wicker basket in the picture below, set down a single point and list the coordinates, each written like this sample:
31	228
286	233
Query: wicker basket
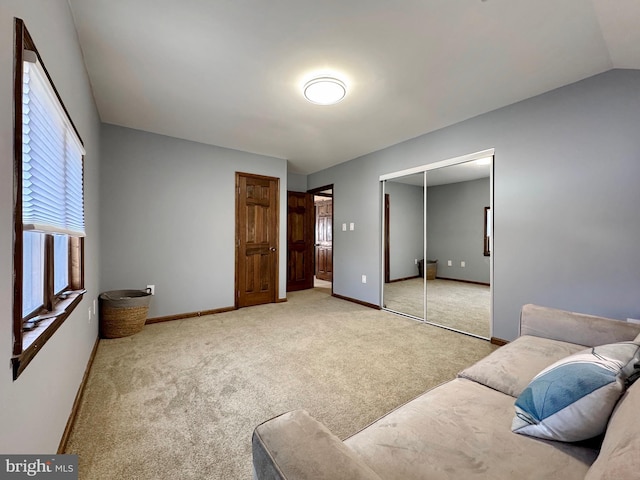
432	269
123	312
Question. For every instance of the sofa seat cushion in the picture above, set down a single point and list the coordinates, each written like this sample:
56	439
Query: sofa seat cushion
619	457
462	429
510	368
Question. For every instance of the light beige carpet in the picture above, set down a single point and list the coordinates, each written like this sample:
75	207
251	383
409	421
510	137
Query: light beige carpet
179	400
459	305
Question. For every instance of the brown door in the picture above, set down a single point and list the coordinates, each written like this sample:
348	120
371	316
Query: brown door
257	219
324	239
299	241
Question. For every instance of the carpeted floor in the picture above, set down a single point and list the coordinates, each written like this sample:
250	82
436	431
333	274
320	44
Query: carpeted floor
179	400
459	305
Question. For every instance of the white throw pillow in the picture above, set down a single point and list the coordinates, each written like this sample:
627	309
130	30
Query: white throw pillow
572	399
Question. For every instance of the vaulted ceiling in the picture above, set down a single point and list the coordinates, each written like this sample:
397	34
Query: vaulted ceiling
230	72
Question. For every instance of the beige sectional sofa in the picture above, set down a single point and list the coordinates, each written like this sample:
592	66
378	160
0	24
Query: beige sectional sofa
462	428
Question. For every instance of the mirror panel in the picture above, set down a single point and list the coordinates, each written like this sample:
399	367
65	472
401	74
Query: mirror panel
404	213
459	298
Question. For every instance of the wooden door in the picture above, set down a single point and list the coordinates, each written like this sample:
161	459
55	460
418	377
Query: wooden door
300	215
257	220
324	240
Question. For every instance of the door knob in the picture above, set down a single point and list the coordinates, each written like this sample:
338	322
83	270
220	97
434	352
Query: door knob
273	249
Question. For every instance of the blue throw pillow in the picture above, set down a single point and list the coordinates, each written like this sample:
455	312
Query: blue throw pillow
572	399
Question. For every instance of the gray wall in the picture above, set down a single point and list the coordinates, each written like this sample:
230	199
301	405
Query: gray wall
34	409
167	211
455	229
566	216
406	228
296	182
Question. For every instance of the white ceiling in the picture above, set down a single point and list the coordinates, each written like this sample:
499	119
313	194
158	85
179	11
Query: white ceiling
229	72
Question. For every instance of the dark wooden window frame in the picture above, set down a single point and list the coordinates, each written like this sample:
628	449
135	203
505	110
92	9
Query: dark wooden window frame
44	321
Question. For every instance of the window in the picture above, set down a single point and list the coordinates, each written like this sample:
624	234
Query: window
32	272
49	206
60	263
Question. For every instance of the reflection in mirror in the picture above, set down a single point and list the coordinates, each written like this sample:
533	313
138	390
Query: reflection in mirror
403	290
487	231
460	295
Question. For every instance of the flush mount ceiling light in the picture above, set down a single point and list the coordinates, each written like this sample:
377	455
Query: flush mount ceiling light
324	90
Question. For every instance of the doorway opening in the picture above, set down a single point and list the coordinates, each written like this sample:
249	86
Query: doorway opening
323	237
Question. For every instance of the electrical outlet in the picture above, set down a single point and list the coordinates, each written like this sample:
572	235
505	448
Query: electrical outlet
352	226
344	227
449	263
364	279
152	288
463	264
415	261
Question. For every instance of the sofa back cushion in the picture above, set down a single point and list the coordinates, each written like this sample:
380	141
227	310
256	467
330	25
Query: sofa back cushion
620	453
587	330
510	368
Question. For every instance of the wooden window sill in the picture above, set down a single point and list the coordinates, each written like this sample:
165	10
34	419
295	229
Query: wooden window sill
47	324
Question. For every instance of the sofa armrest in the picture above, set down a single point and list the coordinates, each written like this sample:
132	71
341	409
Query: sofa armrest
296	446
578	328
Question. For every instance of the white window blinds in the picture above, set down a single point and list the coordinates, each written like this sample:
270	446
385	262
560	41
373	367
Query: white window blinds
52	174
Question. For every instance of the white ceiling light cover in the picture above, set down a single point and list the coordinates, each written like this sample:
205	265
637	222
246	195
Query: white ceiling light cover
325	90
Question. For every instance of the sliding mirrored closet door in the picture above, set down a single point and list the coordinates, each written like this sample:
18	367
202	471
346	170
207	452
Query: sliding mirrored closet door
404	216
437	264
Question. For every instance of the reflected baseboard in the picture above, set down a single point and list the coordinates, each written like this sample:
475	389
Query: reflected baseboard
403	279
464	281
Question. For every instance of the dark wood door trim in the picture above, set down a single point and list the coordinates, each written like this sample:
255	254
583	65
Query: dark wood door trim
320	191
